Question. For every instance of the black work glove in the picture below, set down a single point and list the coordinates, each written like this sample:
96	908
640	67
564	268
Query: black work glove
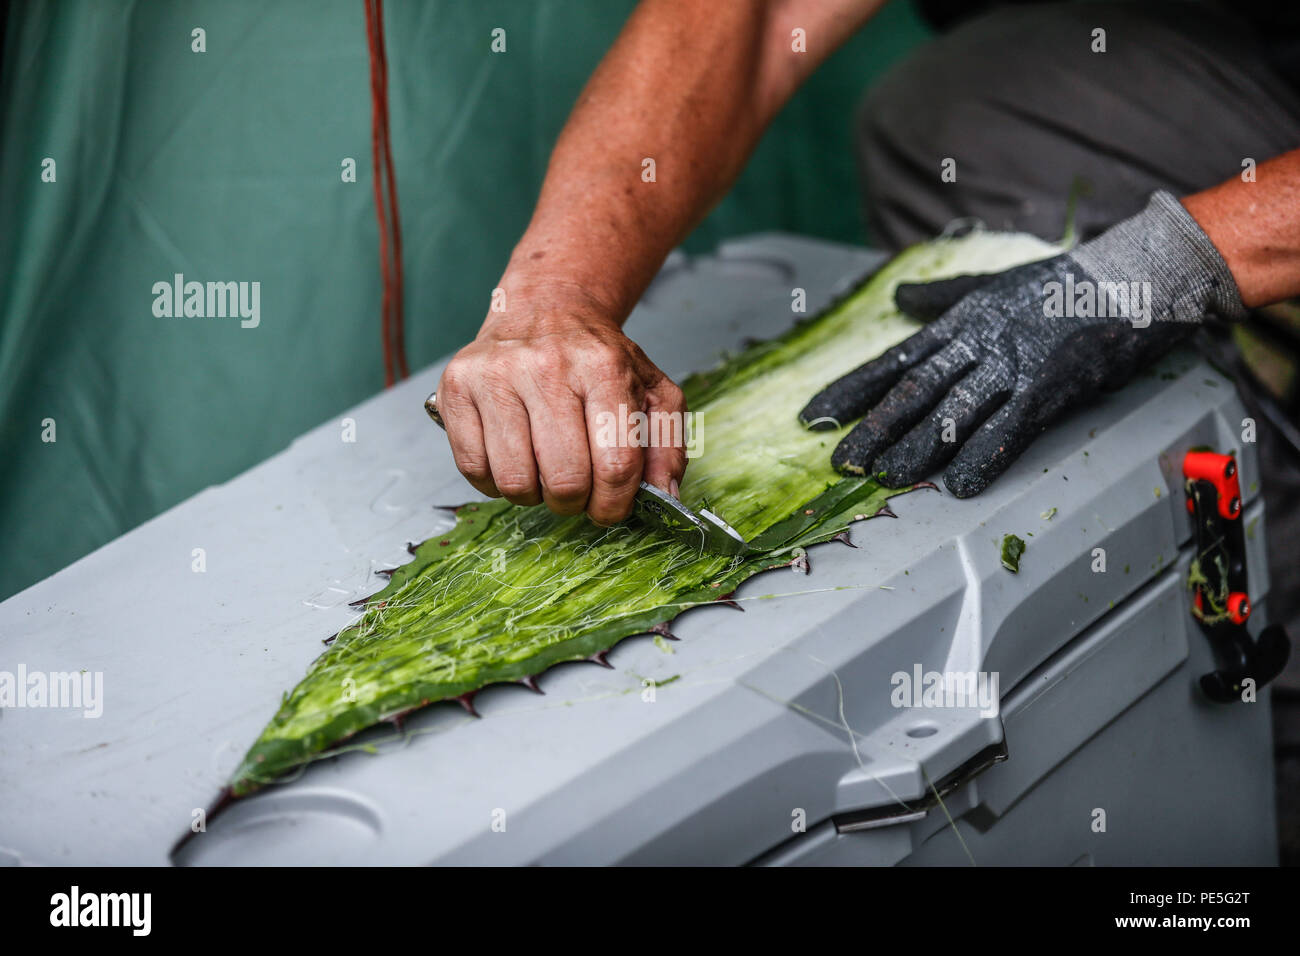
1011	352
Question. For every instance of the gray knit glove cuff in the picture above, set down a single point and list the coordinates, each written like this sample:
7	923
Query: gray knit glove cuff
1164	258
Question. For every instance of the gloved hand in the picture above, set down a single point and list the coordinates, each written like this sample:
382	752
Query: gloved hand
1011	352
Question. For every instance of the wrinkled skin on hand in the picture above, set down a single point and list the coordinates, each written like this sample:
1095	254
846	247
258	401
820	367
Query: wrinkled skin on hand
990	374
522	406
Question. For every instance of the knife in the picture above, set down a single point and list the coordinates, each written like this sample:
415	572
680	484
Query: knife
661	510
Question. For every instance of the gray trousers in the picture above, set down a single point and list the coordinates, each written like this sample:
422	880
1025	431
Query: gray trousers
1019	100
1180	97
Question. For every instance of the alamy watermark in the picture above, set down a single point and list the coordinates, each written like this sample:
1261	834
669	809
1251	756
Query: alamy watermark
946	689
655	429
1086	299
73	690
208	300
74	908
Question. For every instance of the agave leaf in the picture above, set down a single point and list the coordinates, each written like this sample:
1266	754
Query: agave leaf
511	591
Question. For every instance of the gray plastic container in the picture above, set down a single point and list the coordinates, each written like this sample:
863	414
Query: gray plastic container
745	754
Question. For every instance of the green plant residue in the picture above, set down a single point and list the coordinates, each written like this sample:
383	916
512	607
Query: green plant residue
1012	548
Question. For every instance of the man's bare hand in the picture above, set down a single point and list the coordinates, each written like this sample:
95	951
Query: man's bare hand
526	406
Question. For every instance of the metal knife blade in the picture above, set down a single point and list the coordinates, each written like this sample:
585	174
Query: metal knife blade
702	528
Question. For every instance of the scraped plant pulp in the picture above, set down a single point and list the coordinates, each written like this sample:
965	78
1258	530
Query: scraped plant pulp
510	591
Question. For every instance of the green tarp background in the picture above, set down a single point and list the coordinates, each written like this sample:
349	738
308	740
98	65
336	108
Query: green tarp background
225	166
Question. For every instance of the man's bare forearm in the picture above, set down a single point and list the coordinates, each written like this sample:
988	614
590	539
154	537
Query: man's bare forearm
1255	225
690	86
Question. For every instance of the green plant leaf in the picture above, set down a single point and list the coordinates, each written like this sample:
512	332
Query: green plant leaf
510	591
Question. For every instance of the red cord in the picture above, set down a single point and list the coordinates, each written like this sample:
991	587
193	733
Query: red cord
382	161
399	324
378	172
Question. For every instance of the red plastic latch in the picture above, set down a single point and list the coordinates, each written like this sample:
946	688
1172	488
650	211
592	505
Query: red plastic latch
1220	471
1238	607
